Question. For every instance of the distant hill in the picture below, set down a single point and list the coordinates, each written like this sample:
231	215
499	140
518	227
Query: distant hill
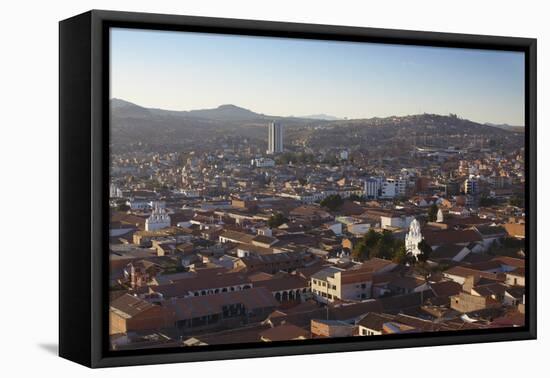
132	123
505	126
323	117
122	108
226	113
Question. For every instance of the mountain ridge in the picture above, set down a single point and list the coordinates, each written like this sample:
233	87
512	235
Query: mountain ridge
131	123
231	112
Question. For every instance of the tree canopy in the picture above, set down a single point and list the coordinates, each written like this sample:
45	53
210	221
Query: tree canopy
332	202
485	201
382	245
425	251
276	220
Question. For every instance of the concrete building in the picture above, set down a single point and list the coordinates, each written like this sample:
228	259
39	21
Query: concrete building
396	220
263	162
128	313
372	188
331	328
275	138
333	283
470	186
388	189
401	187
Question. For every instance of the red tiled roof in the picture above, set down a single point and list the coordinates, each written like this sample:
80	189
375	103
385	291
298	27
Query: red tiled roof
434	238
284	332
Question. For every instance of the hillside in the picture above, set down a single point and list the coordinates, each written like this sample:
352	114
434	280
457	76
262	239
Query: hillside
134	123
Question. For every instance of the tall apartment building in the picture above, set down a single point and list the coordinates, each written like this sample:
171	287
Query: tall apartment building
275	138
372	188
470	186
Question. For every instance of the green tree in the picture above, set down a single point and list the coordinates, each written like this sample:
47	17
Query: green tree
371	238
516	201
385	246
432	213
400	254
332	202
485	201
360	251
276	220
425	251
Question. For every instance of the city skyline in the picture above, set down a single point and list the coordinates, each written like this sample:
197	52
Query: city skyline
230	227
302	77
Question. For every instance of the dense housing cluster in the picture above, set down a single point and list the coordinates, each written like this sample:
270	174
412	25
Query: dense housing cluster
225	241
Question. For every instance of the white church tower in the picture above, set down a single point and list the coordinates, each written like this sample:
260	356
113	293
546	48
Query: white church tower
158	219
413	237
439	218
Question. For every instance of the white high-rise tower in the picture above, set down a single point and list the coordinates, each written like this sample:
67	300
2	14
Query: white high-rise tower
413	237
275	138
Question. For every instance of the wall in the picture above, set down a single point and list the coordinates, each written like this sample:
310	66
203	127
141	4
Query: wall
117	324
30	138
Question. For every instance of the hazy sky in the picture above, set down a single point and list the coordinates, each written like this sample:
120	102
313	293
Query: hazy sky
279	76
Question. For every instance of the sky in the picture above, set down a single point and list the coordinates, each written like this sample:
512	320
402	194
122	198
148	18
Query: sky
283	77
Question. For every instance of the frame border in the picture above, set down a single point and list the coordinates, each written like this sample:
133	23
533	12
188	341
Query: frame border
84	99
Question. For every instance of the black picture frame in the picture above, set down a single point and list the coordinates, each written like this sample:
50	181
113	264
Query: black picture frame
83	180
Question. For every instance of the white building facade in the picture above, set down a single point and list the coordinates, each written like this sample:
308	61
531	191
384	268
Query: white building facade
275	138
158	219
413	238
